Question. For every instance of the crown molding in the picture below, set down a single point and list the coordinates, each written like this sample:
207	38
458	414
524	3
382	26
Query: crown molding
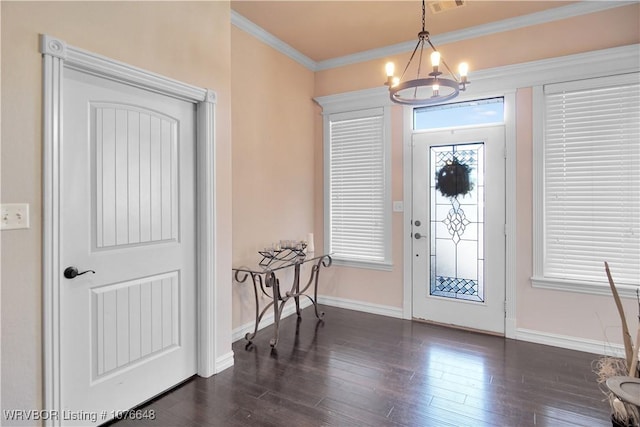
266	37
550	15
500	80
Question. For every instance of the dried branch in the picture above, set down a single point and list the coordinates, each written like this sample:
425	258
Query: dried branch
626	337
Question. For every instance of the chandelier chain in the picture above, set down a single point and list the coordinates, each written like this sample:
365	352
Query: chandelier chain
423	16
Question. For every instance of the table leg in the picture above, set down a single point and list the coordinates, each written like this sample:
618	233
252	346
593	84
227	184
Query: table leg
277	306
296	289
256	279
313	278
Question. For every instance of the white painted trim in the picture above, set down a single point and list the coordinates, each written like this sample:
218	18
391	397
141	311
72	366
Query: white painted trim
617	60
223	362
101	66
269	39
52	89
367	307
591	288
58	56
269	318
407	229
510	213
571	343
206	220
537	18
382	266
537	181
354	100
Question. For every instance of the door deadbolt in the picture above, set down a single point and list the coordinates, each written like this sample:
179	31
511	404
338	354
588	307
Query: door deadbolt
417	223
72	272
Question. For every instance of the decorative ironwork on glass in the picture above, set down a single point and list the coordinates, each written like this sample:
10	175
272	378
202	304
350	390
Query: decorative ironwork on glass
457	221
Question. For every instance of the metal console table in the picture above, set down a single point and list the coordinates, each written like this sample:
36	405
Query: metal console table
264	280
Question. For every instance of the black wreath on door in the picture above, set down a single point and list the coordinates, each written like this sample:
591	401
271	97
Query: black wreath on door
454	179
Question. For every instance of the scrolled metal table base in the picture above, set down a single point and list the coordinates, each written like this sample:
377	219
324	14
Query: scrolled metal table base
268	284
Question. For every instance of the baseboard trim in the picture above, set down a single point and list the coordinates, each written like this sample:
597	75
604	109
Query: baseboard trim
522	334
571	343
383	310
510	329
223	362
268	319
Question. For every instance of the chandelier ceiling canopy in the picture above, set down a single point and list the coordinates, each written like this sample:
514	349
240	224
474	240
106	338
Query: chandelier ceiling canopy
432	88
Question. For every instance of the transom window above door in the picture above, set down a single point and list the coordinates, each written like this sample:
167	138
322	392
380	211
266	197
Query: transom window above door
469	113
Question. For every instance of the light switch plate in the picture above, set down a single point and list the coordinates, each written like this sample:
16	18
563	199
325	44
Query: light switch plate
14	216
398	206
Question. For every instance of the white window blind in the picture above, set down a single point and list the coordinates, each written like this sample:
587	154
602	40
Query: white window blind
592	179
357	187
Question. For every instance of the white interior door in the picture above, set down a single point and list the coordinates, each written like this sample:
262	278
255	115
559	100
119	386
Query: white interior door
128	332
458	222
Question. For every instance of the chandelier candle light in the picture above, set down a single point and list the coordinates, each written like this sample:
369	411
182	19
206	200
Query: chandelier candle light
426	90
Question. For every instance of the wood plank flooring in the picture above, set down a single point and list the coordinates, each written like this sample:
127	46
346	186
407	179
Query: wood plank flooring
358	369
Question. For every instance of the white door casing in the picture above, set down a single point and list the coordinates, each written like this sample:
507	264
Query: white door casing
58	59
489	314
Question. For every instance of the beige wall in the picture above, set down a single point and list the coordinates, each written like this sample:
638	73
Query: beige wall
551	312
273	156
187	41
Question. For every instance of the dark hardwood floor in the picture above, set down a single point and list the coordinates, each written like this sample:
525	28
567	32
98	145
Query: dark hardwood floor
358	369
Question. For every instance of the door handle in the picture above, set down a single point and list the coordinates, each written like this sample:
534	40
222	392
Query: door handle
72	272
419	236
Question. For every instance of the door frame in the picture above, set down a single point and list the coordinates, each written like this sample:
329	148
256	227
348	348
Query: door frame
510	205
58	56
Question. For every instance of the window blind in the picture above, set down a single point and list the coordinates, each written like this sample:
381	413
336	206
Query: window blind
357	186
592	179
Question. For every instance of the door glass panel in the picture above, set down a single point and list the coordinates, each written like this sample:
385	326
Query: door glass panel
457	221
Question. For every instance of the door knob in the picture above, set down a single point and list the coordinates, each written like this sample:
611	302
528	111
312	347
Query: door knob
71	272
418	235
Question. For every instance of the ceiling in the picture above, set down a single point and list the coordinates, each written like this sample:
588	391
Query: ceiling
323	30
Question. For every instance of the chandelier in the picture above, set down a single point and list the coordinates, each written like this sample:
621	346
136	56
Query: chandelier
435	88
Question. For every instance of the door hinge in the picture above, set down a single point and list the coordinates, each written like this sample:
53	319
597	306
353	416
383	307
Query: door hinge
505	308
505	229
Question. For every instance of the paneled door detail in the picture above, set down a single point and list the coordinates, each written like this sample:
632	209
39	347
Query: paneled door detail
134	321
458	219
136	155
128	331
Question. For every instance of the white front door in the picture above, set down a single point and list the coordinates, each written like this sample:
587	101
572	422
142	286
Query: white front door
458	222
128	332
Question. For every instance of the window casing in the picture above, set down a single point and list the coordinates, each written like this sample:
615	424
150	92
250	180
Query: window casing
357	188
587	184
